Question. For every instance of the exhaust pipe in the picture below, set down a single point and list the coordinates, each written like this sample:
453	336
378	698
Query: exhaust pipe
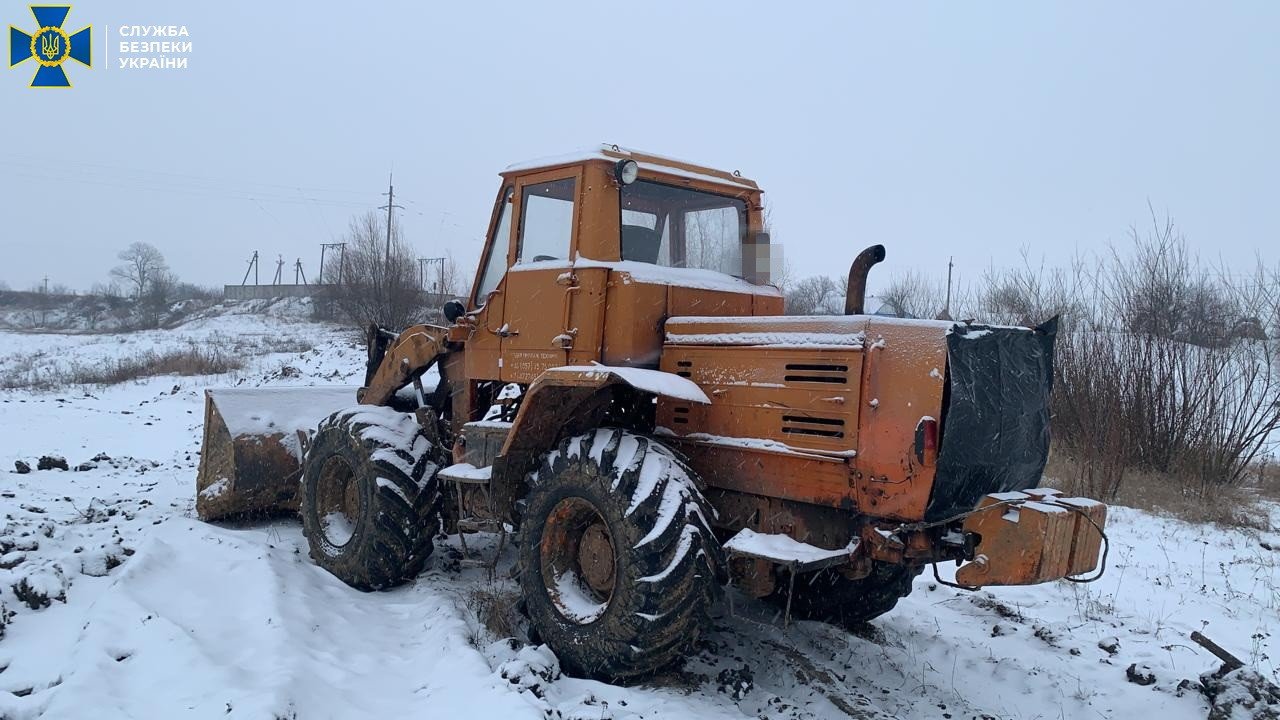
855	299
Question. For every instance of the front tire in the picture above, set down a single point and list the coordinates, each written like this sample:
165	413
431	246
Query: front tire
618	562
370	497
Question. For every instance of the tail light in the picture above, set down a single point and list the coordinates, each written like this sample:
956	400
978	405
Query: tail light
927	440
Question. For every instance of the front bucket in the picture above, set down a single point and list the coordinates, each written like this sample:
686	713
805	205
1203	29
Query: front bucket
252	453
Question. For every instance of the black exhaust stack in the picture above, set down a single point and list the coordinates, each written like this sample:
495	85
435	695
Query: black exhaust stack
855	299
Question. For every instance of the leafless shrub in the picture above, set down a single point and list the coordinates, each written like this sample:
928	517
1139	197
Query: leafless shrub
1029	294
1265	478
914	295
1162	365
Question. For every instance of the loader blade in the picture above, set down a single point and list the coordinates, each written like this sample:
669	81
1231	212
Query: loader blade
251	457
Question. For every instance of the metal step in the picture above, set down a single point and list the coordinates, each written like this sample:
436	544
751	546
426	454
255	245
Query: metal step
466	474
786	550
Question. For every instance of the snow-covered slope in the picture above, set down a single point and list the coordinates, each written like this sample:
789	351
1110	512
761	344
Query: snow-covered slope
153	614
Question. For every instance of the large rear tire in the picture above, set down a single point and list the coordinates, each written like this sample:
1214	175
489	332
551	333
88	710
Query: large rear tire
618	564
829	596
370	497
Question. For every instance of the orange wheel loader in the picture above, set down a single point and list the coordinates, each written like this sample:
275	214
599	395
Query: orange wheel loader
623	389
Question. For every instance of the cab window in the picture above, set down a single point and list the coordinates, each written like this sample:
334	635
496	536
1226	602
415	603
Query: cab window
680	227
546	221
495	265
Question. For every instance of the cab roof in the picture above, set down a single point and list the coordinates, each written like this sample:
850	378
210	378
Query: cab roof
647	161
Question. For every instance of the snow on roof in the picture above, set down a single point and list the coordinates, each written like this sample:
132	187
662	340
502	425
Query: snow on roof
646	160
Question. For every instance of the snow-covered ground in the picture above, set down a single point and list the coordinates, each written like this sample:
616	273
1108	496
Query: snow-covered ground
153	614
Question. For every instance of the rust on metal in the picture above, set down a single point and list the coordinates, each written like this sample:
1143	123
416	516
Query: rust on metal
412	353
856	295
243	475
1030	539
595	557
576	549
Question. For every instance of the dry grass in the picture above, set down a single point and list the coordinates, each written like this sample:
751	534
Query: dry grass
194	360
1223	505
495	607
213	355
190	361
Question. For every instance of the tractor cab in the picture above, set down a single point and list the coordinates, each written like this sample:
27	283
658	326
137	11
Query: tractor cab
618	233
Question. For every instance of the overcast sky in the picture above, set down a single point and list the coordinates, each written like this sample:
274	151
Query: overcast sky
951	128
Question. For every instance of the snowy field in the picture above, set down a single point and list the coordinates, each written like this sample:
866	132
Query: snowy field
119	603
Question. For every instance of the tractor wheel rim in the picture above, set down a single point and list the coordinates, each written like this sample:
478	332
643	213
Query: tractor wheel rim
595	557
578	561
338	501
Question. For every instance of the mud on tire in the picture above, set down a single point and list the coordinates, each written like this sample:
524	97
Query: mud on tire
618	565
370	496
829	596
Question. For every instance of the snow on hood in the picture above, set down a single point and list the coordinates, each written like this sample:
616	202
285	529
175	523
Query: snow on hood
653	381
650	274
835	331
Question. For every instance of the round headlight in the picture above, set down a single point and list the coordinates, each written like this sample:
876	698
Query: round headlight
626	171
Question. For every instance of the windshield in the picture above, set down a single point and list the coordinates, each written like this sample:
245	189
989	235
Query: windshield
677	227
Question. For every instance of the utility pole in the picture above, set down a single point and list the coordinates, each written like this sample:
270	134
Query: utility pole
44	303
422	273
253	267
330	246
299	273
279	269
946	309
342	259
950	264
391	204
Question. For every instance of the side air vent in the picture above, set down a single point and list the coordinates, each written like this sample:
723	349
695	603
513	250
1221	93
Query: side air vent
827	427
817	373
680	415
683	371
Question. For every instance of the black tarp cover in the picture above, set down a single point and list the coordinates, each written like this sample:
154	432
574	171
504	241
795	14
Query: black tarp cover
995	429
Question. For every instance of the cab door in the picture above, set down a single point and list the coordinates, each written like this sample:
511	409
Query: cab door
539	283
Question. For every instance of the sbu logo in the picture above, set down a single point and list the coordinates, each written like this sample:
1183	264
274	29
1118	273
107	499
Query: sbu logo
50	46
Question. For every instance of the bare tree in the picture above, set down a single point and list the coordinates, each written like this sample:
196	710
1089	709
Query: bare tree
159	296
816	295
375	288
142	264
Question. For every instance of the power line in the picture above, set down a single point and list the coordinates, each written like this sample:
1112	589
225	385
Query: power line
116	170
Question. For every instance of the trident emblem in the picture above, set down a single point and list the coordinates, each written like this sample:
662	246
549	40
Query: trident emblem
50	46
